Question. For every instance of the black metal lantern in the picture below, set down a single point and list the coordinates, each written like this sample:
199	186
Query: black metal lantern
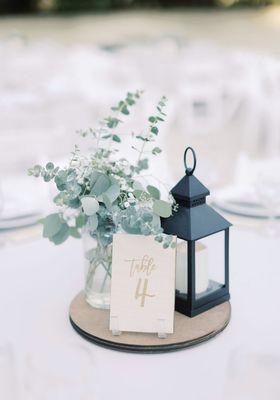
202	259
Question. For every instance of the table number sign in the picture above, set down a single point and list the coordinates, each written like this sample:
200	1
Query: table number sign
143	285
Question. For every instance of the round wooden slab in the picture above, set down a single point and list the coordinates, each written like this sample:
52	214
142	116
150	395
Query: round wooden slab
93	325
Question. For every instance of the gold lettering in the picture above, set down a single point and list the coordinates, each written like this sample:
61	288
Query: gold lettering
144	294
145	266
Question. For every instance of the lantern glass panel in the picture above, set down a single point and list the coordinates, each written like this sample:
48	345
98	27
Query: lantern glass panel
182	266
210	264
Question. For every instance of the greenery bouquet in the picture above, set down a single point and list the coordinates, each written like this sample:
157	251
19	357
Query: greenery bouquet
101	193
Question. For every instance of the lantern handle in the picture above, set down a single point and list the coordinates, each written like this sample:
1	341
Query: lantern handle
189	171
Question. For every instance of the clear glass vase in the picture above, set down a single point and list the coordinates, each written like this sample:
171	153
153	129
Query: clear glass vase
98	257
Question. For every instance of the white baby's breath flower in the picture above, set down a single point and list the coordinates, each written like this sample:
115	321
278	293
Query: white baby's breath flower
75	163
126	204
125	168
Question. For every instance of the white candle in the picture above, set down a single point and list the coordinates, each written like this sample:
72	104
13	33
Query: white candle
201	267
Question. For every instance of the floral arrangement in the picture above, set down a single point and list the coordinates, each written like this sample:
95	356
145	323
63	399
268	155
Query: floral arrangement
102	191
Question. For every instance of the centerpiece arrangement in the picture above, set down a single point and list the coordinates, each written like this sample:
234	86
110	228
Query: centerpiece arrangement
101	193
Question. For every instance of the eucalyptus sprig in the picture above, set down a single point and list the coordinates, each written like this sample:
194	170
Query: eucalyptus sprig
106	127
103	193
149	136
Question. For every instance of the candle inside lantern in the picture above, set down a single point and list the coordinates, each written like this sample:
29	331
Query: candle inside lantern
201	267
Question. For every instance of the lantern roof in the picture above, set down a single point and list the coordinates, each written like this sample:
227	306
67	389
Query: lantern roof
189	188
194	219
193	223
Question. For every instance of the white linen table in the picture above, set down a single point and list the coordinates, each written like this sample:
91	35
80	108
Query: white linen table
38	280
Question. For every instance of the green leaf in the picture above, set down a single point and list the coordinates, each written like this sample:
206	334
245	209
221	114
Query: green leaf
124	110
162	208
152	119
47	177
74	203
94	176
147	216
167	242
106	201
101	185
159	238
156	222
116	138
93	222
113	192
142	164
112	122
138	193
60	199
168	239
141	195
81	220
137	186
156	150
90	205
70	175
36	170
62	235
61	180
73	231
154	192
49	166
130	101
138	93
133	229
52	225
145	230
142	138
154	130
73	189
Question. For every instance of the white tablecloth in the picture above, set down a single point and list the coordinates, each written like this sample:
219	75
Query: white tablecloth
38	280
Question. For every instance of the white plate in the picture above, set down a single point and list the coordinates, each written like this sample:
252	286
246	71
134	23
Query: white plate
244	208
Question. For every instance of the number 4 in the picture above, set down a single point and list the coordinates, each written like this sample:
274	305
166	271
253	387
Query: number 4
144	294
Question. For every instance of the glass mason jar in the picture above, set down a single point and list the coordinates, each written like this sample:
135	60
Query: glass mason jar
98	258
98	271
